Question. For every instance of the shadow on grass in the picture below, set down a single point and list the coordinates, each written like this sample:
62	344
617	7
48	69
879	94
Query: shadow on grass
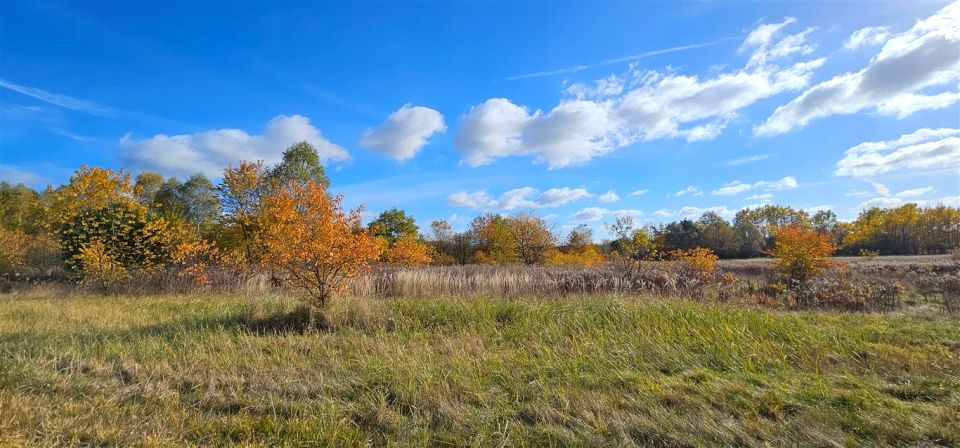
275	322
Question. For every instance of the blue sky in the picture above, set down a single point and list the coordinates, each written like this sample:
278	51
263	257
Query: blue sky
580	112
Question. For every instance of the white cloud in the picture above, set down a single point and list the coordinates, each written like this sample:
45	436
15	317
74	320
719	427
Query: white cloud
691	190
737	187
914	192
642	105
210	151
890	202
857	193
64	101
871	35
923	57
748	159
881	189
405	132
695	212
908	103
491	130
597	213
663	213
764	198
639	192
604	87
922	149
609	196
517	198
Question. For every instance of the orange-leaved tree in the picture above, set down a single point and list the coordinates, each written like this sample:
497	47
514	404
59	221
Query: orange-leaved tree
801	253
307	235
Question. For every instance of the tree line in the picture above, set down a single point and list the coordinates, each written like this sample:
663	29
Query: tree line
105	224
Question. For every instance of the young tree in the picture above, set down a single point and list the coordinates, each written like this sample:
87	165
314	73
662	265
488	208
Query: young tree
307	235
801	253
530	236
198	199
241	196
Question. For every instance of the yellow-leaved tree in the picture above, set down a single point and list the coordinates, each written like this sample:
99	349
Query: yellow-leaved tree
241	195
319	247
407	251
801	253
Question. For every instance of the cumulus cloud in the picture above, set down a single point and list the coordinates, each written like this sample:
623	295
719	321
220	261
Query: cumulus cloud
609	196
925	56
405	132
641	105
922	149
737	187
598	213
210	151
871	35
523	197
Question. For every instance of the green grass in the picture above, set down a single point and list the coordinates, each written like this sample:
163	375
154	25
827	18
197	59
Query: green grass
175	371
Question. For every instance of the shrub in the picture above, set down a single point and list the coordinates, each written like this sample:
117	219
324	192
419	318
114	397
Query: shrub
124	233
407	251
703	261
98	267
800	253
587	256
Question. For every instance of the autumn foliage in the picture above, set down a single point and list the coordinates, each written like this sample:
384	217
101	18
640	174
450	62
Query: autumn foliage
307	236
703	261
408	251
801	253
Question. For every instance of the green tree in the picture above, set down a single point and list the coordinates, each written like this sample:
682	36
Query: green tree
300	164
21	209
394	224
718	235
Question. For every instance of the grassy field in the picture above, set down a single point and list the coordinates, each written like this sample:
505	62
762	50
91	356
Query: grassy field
218	370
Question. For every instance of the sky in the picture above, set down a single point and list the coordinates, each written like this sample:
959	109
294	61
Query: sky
577	111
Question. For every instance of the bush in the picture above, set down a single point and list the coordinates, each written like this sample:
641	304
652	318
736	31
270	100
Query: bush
407	251
124	233
801	253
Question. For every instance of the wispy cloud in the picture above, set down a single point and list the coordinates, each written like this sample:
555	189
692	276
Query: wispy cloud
748	159
646	54
65	101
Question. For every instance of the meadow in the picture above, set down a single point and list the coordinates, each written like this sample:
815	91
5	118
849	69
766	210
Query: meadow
595	370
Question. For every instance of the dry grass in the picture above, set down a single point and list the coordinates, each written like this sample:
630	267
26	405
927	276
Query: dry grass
600	371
